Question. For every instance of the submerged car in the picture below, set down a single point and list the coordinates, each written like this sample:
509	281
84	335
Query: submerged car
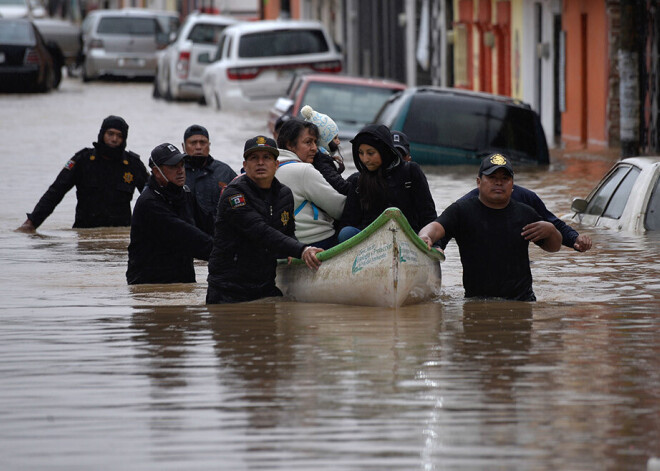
179	71
448	126
255	61
122	42
626	199
26	64
352	102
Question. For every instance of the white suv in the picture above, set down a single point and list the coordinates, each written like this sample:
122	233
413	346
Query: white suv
255	61
179	72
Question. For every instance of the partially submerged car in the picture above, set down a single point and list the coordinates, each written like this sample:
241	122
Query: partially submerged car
626	199
26	63
179	71
256	60
352	102
449	126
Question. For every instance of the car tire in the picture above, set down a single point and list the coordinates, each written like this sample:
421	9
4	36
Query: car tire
57	75
168	91
83	72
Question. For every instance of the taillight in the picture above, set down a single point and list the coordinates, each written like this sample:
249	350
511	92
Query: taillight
328	67
96	44
31	56
183	65
243	73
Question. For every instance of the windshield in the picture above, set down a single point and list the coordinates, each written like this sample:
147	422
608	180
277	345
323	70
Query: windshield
345	102
16	32
454	121
282	43
129	26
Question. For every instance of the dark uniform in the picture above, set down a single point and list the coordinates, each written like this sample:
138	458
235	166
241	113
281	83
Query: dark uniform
166	234
105	179
254	227
207	182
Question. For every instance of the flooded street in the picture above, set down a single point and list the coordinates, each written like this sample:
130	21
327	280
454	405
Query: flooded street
100	375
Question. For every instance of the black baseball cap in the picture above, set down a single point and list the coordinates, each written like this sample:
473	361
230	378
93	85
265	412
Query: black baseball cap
401	142
494	161
195	130
260	143
165	154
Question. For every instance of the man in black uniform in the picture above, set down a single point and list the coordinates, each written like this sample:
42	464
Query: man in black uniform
253	228
205	176
493	233
105	177
169	229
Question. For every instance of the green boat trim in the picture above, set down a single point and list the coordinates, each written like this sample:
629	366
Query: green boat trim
388	214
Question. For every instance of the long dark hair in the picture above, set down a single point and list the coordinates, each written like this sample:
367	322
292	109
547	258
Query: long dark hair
372	189
291	131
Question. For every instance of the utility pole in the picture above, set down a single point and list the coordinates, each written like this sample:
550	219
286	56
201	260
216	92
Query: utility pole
629	80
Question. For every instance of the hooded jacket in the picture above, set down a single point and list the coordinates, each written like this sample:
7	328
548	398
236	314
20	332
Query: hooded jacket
405	184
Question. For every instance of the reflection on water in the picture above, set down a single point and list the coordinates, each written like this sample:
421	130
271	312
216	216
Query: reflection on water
100	375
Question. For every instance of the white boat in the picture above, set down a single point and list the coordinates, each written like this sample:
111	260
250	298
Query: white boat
384	265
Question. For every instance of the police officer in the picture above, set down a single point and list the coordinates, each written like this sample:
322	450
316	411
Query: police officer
105	176
253	228
169	229
205	176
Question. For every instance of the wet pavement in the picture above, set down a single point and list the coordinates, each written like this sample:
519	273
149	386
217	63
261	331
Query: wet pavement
100	375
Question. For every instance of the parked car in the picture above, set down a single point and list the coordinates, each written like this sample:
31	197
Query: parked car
66	37
21	9
352	102
255	61
179	72
447	126
626	199
25	61
122	42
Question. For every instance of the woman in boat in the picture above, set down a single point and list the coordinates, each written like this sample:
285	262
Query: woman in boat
384	180
316	203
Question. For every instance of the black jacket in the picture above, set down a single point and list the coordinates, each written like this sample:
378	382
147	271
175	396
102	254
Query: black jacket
325	164
253	228
104	188
207	182
406	186
166	236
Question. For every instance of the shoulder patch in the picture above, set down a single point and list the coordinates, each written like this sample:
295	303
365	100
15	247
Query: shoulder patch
237	201
70	164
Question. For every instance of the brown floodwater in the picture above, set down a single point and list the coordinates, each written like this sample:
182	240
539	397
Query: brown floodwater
100	375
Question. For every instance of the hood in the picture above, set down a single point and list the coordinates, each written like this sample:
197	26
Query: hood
380	137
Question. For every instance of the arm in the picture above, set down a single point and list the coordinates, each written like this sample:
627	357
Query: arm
426	205
543	234
431	233
318	191
325	165
63	183
352	214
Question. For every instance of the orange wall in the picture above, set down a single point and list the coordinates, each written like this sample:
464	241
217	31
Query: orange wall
271	9
584	123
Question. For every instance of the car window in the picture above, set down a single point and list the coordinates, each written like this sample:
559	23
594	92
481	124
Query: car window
599	201
345	102
206	33
618	201
442	120
16	32
282	43
652	222
128	26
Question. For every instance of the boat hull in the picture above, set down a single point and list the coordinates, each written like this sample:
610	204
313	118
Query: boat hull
385	265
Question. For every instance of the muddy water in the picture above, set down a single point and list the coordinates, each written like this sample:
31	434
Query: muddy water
99	375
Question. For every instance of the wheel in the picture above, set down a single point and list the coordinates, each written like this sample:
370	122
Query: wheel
168	91
84	74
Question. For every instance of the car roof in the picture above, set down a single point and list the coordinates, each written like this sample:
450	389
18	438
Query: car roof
353	80
469	94
270	25
133	12
207	17
642	161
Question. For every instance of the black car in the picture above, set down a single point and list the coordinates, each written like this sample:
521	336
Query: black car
447	126
25	61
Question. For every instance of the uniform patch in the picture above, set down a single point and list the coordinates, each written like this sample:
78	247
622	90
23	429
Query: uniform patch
128	177
92	157
237	201
125	162
285	218
70	164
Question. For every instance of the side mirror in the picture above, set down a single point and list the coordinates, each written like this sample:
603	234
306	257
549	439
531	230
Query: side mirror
579	205
204	58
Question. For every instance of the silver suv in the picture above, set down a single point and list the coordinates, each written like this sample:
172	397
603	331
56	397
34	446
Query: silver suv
122	42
